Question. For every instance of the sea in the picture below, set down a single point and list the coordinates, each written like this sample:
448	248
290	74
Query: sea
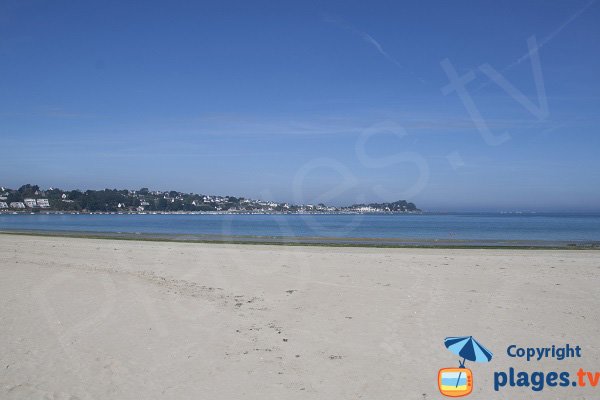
543	227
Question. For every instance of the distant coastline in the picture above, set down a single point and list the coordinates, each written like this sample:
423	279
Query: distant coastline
32	199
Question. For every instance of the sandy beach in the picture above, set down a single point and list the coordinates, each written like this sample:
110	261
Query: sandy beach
112	319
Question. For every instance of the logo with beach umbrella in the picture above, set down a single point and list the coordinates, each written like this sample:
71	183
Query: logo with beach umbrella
457	382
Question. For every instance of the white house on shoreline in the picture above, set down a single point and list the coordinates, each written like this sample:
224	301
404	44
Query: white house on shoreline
32	203
43	203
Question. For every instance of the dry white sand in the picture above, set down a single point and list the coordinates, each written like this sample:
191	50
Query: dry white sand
106	319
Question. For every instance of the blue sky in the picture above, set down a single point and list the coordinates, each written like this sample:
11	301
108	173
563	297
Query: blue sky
306	101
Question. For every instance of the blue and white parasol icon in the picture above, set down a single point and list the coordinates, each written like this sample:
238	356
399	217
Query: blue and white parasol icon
469	349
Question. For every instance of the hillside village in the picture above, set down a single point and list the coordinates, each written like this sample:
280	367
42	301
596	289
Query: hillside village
31	198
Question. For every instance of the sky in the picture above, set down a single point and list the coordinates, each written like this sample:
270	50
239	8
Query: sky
456	106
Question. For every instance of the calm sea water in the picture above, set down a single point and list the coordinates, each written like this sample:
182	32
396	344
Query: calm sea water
546	227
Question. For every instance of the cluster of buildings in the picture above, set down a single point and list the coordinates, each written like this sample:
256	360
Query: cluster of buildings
218	202
26	203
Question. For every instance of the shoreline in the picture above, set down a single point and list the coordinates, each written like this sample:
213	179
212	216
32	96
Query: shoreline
317	241
38	211
54	212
